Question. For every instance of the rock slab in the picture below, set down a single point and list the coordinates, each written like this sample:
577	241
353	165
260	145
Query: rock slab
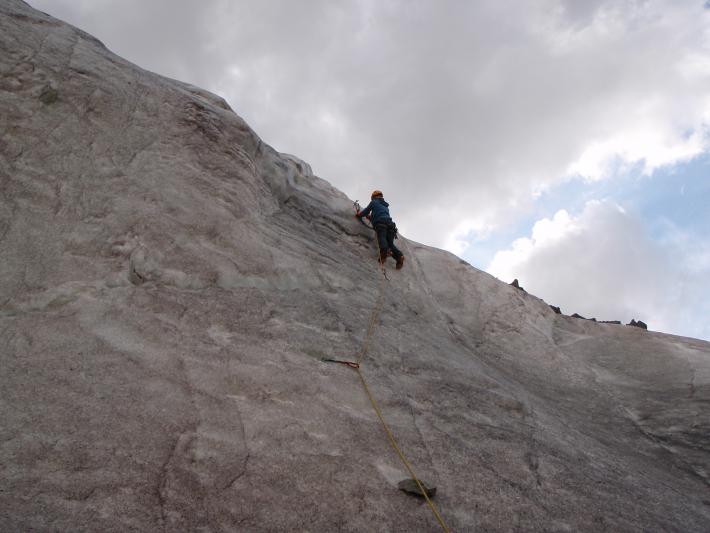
169	284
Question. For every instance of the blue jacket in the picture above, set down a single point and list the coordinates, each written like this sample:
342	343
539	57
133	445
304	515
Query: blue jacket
379	209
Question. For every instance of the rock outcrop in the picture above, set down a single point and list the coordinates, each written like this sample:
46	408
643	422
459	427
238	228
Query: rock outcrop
169	284
577	315
516	284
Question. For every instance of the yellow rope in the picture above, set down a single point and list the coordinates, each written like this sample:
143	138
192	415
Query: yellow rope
374	316
397	449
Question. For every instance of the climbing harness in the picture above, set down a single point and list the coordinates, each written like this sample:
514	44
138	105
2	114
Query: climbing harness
355	365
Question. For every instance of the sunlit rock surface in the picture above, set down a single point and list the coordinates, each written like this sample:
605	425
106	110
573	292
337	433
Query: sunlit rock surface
169	284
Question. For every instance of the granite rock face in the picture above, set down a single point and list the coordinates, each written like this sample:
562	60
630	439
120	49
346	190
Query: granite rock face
169	284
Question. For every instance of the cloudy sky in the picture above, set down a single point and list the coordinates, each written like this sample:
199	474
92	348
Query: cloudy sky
563	143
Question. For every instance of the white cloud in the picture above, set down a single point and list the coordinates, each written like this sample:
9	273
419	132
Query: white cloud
653	142
466	232
603	263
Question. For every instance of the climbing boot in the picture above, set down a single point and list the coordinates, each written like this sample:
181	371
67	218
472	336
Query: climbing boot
383	256
400	262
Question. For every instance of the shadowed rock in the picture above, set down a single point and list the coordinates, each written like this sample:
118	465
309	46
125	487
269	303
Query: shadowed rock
411	487
49	95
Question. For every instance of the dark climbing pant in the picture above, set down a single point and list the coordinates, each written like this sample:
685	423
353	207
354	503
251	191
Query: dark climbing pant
385	237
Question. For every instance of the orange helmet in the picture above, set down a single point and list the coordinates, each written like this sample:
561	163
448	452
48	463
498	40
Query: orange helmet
376	194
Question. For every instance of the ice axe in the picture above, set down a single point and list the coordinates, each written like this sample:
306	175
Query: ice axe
356	205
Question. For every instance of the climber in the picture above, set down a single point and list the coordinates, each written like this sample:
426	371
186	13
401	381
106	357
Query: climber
378	213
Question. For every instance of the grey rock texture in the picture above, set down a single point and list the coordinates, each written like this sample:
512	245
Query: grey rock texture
169	284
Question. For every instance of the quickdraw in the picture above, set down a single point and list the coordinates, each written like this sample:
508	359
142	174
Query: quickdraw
351	364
